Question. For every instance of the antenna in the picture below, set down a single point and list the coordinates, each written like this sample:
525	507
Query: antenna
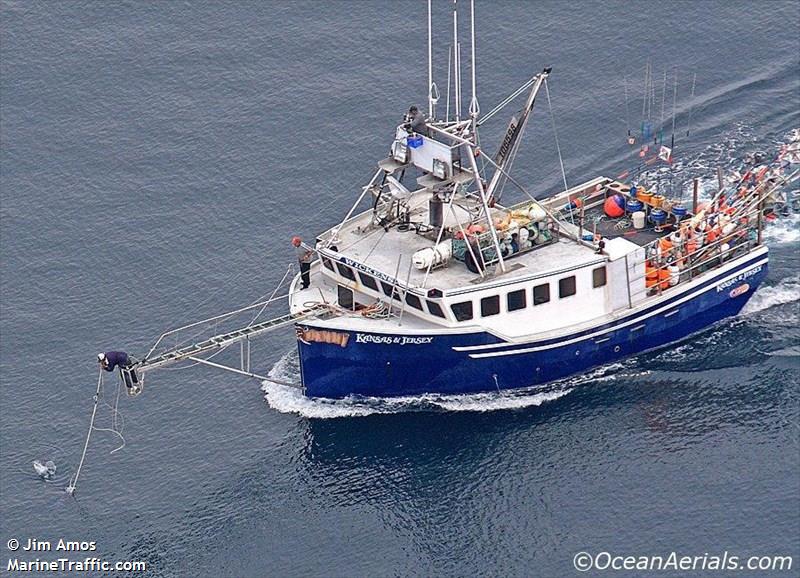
474	108
430	65
456	61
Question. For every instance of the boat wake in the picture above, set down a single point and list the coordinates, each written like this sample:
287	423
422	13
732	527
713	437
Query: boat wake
287	399
786	291
784	230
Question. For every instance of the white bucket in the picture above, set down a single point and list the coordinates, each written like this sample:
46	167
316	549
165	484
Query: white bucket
638	220
674	275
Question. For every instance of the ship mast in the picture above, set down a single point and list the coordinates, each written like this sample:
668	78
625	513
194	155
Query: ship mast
474	108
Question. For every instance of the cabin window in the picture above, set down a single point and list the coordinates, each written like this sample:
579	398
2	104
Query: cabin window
462	311
388	290
368	281
516	300
327	263
346	271
566	287
414	301
490	306
541	294
434	309
345	297
599	277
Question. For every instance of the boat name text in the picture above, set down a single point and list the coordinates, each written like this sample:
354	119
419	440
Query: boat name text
739	277
392	339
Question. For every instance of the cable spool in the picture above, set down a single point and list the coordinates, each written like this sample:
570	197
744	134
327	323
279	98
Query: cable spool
658	217
679	212
633	206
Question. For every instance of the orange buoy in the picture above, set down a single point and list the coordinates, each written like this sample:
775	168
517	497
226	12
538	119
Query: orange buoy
664	244
664	275
614	206
651	277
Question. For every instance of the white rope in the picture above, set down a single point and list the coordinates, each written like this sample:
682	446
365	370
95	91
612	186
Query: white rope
114	413
73	482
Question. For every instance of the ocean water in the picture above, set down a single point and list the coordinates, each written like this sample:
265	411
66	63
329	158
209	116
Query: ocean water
155	159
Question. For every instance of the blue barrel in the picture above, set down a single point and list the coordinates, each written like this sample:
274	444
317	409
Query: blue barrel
658	216
634	205
679	212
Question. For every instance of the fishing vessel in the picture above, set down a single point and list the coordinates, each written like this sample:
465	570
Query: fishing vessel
431	284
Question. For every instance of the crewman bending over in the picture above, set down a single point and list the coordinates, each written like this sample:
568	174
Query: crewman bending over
111	360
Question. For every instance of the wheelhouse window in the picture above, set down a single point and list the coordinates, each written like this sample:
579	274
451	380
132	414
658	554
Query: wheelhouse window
345	297
327	263
390	291
599	277
414	301
462	311
368	281
516	300
541	294
566	287
434	309
490	306
346	271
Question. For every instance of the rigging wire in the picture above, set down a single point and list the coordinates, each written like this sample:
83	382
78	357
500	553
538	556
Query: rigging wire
691	104
558	147
627	107
555	134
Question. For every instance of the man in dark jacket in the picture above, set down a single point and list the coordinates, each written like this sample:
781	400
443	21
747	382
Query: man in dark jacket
415	122
111	360
305	255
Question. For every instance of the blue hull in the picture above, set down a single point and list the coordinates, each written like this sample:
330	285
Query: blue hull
388	365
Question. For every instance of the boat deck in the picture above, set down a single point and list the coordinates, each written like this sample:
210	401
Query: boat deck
390	252
596	221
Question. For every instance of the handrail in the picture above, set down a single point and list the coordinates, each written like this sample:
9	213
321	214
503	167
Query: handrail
210	319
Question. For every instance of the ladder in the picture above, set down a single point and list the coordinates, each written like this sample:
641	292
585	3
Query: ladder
222	340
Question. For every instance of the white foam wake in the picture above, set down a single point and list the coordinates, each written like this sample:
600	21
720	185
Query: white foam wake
787	291
287	399
783	230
